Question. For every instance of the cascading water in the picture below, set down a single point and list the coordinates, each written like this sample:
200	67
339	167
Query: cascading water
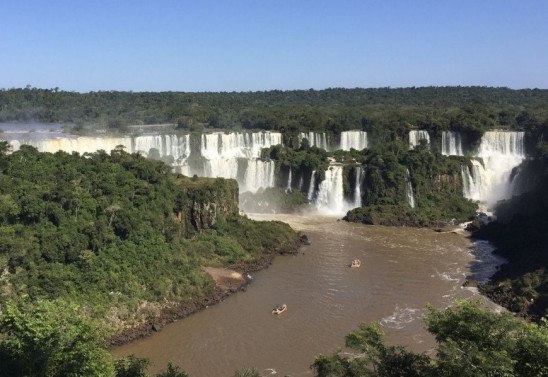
259	174
330	198
310	195
315	139
177	147
289	179
348	139
489	179
472	180
223	153
353	139
357	188
80	144
409	189
415	136
451	144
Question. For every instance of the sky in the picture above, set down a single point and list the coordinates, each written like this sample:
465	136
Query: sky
239	45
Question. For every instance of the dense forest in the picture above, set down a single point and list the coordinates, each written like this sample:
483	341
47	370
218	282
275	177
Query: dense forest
467	109
119	231
436	181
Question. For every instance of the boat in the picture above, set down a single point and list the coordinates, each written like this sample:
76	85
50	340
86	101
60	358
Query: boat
279	309
356	263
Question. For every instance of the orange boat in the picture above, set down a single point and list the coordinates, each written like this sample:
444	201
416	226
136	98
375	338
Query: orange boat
279	309
356	263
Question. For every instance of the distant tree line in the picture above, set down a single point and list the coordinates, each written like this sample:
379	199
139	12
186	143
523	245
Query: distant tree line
466	109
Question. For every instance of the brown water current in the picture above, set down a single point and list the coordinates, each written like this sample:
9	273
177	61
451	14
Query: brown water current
403	270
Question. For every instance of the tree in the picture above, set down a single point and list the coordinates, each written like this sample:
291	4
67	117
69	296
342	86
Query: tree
472	341
50	339
5	147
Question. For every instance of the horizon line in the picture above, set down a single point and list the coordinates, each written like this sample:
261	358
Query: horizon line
58	89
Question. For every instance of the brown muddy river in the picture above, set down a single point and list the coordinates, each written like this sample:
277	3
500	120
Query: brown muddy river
403	270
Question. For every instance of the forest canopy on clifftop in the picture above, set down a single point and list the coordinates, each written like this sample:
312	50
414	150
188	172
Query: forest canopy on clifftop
465	109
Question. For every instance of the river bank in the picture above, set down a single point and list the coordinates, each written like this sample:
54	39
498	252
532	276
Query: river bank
403	270
228	280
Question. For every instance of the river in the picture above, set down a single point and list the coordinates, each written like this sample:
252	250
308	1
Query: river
403	270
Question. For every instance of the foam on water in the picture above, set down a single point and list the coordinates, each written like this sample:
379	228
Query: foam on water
401	317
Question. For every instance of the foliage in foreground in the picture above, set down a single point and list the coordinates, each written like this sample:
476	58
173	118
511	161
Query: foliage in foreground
53	339
50	338
471	340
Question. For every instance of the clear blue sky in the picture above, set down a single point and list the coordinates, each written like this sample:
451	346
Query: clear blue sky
241	45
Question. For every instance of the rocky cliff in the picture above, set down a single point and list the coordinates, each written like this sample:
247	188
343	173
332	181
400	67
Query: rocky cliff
203	202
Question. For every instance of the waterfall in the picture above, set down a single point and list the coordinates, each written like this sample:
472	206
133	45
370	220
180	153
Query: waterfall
315	139
409	189
353	139
489	180
357	188
80	144
310	195
415	136
223	151
330	192
258	175
221	168
174	146
451	144
289	178
472	180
